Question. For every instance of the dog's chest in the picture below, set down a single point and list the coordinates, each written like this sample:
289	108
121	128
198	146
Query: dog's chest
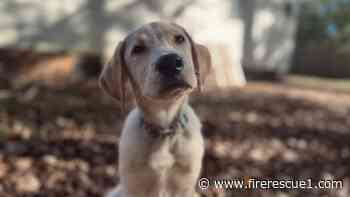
170	152
155	165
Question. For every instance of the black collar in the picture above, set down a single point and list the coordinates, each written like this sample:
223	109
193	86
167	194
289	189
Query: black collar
157	131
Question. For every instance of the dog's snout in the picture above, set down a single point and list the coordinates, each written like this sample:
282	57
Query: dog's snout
170	64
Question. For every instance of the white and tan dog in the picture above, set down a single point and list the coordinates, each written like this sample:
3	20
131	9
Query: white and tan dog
161	147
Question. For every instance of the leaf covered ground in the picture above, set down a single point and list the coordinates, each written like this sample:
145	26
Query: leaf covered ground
60	141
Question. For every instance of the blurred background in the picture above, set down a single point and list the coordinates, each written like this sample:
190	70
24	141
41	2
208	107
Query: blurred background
277	105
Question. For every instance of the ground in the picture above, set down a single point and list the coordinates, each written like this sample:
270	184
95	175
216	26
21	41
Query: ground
61	140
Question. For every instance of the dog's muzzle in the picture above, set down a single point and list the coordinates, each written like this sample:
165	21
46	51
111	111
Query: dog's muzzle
170	65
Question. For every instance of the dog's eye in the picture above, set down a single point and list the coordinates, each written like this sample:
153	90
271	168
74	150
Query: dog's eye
138	49
179	39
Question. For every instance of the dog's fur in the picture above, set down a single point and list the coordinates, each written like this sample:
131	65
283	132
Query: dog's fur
162	166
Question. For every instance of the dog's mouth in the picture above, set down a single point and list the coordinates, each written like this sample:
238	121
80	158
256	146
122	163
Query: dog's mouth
175	87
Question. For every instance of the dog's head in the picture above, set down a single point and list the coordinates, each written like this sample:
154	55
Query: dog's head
159	61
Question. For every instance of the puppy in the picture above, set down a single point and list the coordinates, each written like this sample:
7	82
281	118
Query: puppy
161	146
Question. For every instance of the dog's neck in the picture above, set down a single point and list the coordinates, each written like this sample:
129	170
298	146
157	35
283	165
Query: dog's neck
163	114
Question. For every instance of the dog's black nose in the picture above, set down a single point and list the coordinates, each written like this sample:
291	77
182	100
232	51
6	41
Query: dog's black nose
170	64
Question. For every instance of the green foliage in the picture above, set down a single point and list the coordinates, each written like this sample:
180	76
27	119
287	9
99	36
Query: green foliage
324	21
3	131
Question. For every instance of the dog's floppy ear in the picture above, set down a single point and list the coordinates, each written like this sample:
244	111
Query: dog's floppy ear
201	60
113	80
204	61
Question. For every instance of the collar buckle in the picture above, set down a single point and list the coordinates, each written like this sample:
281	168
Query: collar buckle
156	131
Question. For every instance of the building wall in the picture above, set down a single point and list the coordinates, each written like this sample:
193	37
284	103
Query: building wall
270	27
